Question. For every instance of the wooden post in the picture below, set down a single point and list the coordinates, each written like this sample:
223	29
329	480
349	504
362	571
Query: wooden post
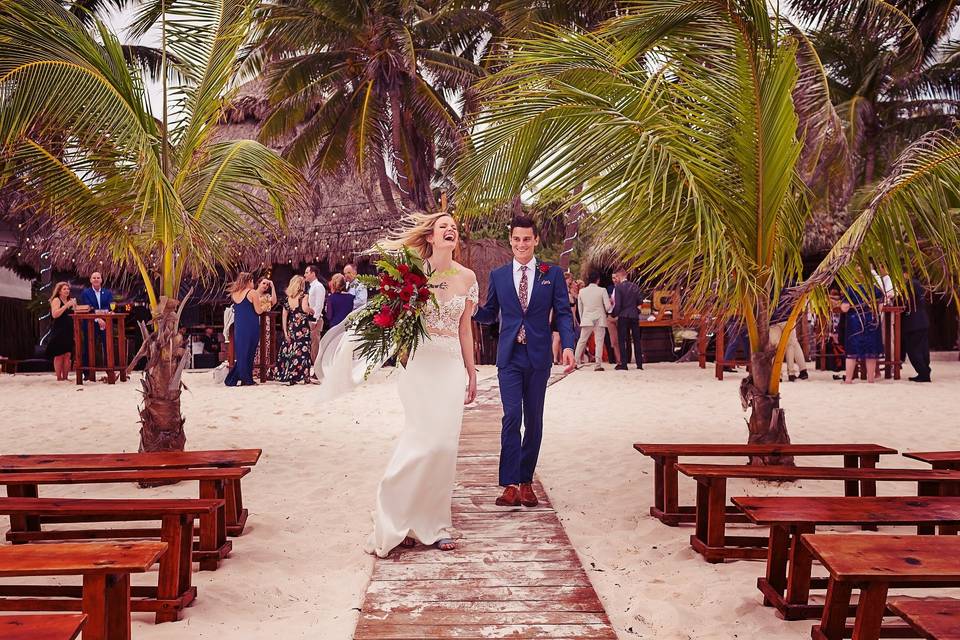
122	323
78	346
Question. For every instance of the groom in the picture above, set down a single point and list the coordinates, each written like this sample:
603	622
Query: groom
522	294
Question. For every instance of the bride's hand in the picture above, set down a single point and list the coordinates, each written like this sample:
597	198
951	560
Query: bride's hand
471	392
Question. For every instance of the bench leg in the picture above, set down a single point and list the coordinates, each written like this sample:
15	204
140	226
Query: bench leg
870	610
927	489
106	602
777	551
658	483
213	527
851	488
23	523
671	498
801	566
835	609
236	515
868	488
173	531
717	519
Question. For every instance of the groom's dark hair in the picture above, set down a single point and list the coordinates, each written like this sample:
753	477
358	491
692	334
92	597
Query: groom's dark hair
524	222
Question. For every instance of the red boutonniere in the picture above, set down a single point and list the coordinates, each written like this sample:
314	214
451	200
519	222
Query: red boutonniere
544	268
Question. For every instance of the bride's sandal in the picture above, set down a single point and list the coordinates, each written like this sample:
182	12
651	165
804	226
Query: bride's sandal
446	544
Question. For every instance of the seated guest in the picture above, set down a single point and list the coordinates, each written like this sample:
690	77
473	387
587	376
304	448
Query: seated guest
60	343
339	303
97	298
211	341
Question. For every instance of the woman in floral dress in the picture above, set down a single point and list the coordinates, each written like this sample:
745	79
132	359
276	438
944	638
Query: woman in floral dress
293	361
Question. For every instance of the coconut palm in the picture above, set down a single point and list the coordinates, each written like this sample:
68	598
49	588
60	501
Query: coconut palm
156	189
680	119
371	84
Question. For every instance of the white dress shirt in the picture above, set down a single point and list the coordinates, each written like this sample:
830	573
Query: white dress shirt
316	297
359	293
531	272
96	292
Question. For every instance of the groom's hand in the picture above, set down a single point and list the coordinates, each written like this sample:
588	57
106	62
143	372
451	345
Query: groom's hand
568	361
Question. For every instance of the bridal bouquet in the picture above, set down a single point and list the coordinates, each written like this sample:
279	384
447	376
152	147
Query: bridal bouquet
391	324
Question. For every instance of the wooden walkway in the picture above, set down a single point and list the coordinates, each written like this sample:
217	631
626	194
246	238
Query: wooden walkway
514	575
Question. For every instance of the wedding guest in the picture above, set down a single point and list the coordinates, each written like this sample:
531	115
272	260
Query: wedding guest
354	287
864	336
248	304
793	356
626	309
98	299
211	341
293	360
594	304
737	340
60	343
315	298
339	303
916	330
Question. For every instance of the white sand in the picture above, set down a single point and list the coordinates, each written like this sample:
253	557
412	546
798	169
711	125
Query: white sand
298	570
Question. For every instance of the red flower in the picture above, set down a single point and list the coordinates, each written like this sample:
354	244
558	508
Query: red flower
407	307
423	293
544	268
407	292
385	318
403	269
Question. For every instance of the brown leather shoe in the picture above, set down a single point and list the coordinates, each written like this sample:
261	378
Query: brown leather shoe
527	497
510	497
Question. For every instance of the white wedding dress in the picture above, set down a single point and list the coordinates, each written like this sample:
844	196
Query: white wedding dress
415	495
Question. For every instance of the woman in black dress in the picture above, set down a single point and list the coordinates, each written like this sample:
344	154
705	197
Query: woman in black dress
60	344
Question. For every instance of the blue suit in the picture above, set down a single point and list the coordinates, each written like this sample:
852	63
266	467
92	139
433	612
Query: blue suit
523	370
89	297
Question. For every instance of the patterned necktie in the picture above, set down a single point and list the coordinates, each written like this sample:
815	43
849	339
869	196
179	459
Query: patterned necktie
524	288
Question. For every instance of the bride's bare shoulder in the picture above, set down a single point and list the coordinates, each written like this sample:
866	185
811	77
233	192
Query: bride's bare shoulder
467	275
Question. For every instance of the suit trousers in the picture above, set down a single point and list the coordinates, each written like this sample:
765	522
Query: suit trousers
629	329
793	356
523	388
917	346
597	330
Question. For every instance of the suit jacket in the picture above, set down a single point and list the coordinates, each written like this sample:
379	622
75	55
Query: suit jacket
594	304
916	318
626	299
549	294
87	296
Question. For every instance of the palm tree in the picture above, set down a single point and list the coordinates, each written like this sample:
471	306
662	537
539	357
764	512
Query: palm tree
372	84
156	190
680	119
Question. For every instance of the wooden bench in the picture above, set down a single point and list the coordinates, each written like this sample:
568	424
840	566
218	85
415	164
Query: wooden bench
174	590
106	569
666	456
212	545
787	582
937	459
932	618
873	563
236	515
710	539
48	627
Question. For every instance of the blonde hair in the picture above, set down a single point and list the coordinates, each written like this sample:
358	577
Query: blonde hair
337	283
243	279
56	290
295	287
413	232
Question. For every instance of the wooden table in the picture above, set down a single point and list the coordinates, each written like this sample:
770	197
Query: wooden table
115	346
932	618
106	569
937	459
710	539
65	626
236	514
872	563
787	582
666	457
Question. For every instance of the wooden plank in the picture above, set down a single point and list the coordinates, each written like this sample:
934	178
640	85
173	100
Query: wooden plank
733	449
41	627
106	477
932	618
514	572
120	461
78	558
852	557
778	472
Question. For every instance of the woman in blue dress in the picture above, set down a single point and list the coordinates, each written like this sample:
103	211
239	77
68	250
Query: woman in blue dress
247	307
339	303
864	338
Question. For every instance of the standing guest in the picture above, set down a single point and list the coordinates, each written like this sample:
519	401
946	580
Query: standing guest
864	336
354	287
737	340
293	360
594	304
626	309
339	303
247	307
315	298
916	330
60	344
98	299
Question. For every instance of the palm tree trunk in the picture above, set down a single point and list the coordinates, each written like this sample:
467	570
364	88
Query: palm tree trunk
767	423
570	230
386	189
160	417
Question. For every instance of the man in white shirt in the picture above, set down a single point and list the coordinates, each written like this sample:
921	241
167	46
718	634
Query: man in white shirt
316	296
594	304
355	287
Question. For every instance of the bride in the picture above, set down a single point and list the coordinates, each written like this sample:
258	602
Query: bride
415	495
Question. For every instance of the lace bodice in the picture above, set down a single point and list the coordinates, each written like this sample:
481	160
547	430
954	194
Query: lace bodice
444	319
